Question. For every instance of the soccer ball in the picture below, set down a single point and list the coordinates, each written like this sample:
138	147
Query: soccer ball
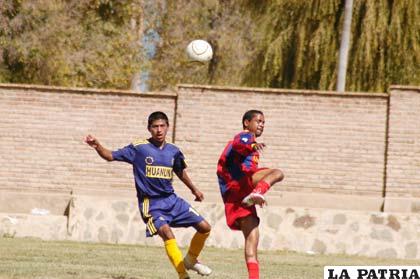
199	50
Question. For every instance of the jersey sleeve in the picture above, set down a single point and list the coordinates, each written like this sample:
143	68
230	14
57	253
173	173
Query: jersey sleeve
179	162
243	143
125	154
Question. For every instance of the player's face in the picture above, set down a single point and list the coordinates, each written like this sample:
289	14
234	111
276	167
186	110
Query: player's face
158	129
256	124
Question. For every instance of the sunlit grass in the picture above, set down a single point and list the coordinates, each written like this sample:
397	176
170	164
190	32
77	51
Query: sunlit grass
33	258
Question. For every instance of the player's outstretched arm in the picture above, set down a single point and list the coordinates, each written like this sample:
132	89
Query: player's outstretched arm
102	151
184	177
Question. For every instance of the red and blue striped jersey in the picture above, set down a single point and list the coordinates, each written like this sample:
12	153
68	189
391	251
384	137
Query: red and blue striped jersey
237	160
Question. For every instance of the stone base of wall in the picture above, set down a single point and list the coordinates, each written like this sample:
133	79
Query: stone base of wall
313	200
402	204
55	201
315	231
47	227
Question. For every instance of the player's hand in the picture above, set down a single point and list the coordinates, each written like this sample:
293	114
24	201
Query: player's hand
198	195
92	141
259	147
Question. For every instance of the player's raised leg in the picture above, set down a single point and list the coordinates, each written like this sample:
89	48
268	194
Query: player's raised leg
197	243
262	181
173	251
249	227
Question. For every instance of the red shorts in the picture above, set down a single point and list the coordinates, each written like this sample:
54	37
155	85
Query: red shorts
233	201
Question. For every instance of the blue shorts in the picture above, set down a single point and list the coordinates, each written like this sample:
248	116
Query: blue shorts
171	210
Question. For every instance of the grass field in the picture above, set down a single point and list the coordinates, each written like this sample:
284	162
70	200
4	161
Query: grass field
33	258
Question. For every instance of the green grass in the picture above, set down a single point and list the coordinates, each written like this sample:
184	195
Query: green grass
33	258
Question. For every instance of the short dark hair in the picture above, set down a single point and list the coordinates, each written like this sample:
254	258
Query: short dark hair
249	115
157	115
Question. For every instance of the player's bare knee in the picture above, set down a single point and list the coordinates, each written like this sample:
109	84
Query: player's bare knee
250	254
278	174
204	227
165	232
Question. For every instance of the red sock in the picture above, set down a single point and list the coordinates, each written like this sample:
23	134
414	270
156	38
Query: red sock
253	269
262	187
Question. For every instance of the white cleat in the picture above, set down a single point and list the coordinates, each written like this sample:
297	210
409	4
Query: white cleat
198	267
254	198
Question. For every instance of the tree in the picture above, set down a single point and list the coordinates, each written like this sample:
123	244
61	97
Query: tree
301	42
274	43
291	44
225	24
90	43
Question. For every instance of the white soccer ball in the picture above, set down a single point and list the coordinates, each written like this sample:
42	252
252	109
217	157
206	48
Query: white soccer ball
199	50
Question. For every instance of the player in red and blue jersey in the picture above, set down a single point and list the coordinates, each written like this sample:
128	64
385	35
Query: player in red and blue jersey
154	161
243	184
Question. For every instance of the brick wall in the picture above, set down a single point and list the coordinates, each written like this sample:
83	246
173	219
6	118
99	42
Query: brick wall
403	162
42	131
330	146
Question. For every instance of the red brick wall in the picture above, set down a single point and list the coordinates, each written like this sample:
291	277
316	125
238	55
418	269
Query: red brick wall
324	142
331	146
42	131
403	164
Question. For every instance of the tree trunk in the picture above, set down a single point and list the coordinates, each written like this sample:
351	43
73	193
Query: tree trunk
344	46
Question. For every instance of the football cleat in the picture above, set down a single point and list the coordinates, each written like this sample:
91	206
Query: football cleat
254	198
198	267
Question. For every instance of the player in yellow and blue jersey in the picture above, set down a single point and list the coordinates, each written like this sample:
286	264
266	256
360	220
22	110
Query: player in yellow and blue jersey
154	161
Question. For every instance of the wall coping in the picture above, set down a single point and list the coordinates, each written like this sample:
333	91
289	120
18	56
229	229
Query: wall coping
284	91
82	90
405	88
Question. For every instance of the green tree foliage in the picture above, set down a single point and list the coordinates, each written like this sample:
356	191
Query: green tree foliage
300	44
270	43
90	43
300	49
224	24
291	43
386	45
